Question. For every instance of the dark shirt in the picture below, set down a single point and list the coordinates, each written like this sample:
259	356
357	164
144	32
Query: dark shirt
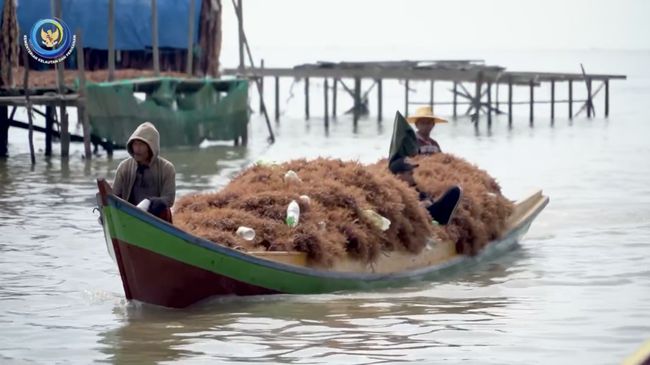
144	186
427	145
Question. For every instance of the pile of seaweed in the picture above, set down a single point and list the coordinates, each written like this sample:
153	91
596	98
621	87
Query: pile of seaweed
335	198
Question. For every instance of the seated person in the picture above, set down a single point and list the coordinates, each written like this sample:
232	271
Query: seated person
424	121
441	210
146	175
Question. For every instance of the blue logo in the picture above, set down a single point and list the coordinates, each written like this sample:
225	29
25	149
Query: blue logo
50	41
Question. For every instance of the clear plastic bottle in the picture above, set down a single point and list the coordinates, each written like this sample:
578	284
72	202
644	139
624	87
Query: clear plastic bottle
293	214
246	233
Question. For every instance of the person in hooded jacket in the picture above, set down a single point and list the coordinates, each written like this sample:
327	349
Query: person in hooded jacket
146	175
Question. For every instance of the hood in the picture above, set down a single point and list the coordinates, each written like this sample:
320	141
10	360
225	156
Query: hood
404	142
147	133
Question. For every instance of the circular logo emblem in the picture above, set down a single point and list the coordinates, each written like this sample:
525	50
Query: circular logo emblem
49	41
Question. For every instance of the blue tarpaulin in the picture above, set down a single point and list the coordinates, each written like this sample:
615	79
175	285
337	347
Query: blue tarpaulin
132	21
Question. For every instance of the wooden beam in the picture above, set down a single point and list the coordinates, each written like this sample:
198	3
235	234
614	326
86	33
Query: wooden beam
431	93
380	100
111	40
277	99
326	106
510	103
590	104
189	66
239	9
570	99
82	117
406	97
334	96
154	37
606	82
532	102
477	99
489	103
455	90
356	111
4	131
552	100
262	87
306	98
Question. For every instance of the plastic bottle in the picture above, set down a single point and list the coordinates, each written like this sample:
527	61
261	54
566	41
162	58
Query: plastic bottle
144	204
246	233
291	177
293	214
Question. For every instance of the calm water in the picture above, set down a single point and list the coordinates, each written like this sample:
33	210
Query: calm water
575	292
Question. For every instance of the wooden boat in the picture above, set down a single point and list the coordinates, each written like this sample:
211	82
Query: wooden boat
163	265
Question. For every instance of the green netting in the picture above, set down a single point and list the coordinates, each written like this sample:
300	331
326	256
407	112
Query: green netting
184	112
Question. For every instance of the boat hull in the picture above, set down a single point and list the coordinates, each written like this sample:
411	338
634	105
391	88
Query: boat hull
162	265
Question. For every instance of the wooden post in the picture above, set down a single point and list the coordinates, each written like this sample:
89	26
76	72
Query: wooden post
111	40
570	99
489	102
357	100
4	131
277	98
477	99
63	122
606	98
154	37
262	85
510	102
240	17
589	99
306	98
334	92
532	100
380	98
455	98
552	100
326	107
49	128
431	93
28	103
81	106
406	97
189	67
496	97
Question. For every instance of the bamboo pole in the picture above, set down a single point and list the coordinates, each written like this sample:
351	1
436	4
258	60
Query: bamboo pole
380	100
277	98
431	93
406	97
455	96
357	100
510	102
4	131
154	37
111	40
189	67
606	98
489	102
532	101
28	105
326	107
334	92
306	98
81	105
570	99
63	125
552	100
262	86
239	9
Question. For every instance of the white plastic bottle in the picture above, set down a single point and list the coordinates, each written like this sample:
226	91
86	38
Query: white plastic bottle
293	214
246	233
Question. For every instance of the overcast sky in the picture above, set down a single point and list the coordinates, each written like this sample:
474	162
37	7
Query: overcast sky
450	24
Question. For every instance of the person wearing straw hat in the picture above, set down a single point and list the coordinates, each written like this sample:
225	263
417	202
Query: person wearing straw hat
424	121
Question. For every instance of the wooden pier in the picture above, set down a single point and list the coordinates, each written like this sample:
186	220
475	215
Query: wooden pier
486	82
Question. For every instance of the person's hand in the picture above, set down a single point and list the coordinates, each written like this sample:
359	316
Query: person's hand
425	203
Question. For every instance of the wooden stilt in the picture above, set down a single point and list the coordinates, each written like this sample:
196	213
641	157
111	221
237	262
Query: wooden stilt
406	97
154	37
532	100
489	102
239	9
111	40
606	97
326	107
262	86
277	98
63	121
455	98
306	98
380	100
431	93
49	128
189	64
28	105
510	102
477	98
570	99
81	106
590	105
4	131
334	95
357	101
496	97
552	101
